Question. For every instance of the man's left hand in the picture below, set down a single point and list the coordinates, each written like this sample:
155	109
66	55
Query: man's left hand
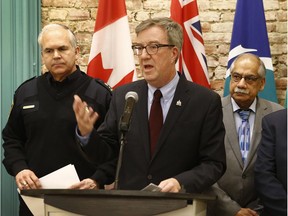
85	116
170	185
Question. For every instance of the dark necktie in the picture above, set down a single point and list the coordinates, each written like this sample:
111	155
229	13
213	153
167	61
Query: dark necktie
244	133
155	120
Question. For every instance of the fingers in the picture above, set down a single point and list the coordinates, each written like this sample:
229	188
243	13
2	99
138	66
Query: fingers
24	185
81	109
246	212
26	179
75	186
79	106
85	184
170	185
85	116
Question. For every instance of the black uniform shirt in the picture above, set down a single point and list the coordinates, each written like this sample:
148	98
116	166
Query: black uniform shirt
40	132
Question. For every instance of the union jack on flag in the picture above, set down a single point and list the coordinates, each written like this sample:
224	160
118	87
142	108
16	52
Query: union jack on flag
192	61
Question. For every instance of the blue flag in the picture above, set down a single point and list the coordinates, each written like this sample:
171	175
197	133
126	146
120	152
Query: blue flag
250	35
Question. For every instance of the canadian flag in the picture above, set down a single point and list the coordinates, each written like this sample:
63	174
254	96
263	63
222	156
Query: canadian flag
111	57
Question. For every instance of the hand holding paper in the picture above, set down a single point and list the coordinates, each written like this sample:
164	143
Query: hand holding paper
62	178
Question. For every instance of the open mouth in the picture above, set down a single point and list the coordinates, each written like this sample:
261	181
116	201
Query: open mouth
148	67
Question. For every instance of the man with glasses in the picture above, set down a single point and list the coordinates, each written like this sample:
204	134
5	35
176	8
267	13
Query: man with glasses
243	112
186	151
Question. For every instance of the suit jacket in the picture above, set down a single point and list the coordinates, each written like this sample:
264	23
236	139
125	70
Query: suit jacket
236	188
190	147
271	164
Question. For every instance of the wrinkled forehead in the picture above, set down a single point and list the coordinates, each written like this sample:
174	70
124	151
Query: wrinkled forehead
154	34
246	66
56	38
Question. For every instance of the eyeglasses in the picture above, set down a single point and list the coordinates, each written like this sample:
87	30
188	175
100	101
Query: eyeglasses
250	79
151	49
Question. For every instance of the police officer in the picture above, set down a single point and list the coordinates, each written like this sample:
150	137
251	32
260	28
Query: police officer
41	133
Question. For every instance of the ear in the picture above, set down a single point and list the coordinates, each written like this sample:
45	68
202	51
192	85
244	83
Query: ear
42	58
77	51
263	81
175	54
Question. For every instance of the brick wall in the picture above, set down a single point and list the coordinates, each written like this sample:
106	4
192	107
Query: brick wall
216	18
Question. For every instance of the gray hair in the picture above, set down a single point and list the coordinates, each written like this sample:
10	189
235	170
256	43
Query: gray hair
261	69
55	26
173	29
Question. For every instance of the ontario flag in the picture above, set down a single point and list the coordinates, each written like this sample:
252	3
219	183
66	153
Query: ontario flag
192	61
111	57
250	35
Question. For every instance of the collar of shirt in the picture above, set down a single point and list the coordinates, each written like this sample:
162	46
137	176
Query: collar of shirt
236	107
237	118
58	85
167	91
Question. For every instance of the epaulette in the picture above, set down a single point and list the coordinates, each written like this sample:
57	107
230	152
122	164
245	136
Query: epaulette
28	80
101	82
90	91
27	90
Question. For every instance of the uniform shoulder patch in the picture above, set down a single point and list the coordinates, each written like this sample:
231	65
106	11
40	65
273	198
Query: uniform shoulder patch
26	81
27	89
101	82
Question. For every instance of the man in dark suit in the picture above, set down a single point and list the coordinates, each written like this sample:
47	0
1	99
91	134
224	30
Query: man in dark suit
271	164
235	189
189	151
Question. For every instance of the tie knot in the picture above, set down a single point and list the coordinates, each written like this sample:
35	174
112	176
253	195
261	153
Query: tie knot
157	95
244	114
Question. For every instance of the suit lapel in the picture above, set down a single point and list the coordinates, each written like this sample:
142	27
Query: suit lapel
261	110
179	101
231	132
142	112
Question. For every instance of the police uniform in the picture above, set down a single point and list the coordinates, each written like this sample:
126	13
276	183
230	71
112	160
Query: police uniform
40	132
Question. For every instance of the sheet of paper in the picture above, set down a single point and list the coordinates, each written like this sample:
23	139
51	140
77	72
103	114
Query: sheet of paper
152	187
62	178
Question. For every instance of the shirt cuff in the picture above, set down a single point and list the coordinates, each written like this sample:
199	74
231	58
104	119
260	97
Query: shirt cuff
83	139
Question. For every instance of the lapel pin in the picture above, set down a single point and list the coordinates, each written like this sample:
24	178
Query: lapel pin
178	103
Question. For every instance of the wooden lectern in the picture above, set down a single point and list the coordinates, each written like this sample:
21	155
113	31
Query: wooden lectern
60	202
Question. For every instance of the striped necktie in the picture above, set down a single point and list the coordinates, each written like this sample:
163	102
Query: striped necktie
244	133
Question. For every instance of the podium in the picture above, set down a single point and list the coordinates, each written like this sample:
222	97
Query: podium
62	202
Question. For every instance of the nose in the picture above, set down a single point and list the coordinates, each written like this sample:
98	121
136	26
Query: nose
144	54
241	83
56	54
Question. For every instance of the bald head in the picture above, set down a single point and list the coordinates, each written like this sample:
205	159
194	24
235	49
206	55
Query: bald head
249	57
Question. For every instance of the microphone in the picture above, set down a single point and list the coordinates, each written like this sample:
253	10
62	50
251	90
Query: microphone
131	98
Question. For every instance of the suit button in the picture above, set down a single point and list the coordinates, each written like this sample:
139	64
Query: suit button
243	176
149	177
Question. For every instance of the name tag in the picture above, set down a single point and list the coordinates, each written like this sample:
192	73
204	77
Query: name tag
28	107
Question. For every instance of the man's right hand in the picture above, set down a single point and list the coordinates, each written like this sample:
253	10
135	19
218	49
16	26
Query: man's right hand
26	179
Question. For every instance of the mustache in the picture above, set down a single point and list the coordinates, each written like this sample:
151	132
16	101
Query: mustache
242	91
